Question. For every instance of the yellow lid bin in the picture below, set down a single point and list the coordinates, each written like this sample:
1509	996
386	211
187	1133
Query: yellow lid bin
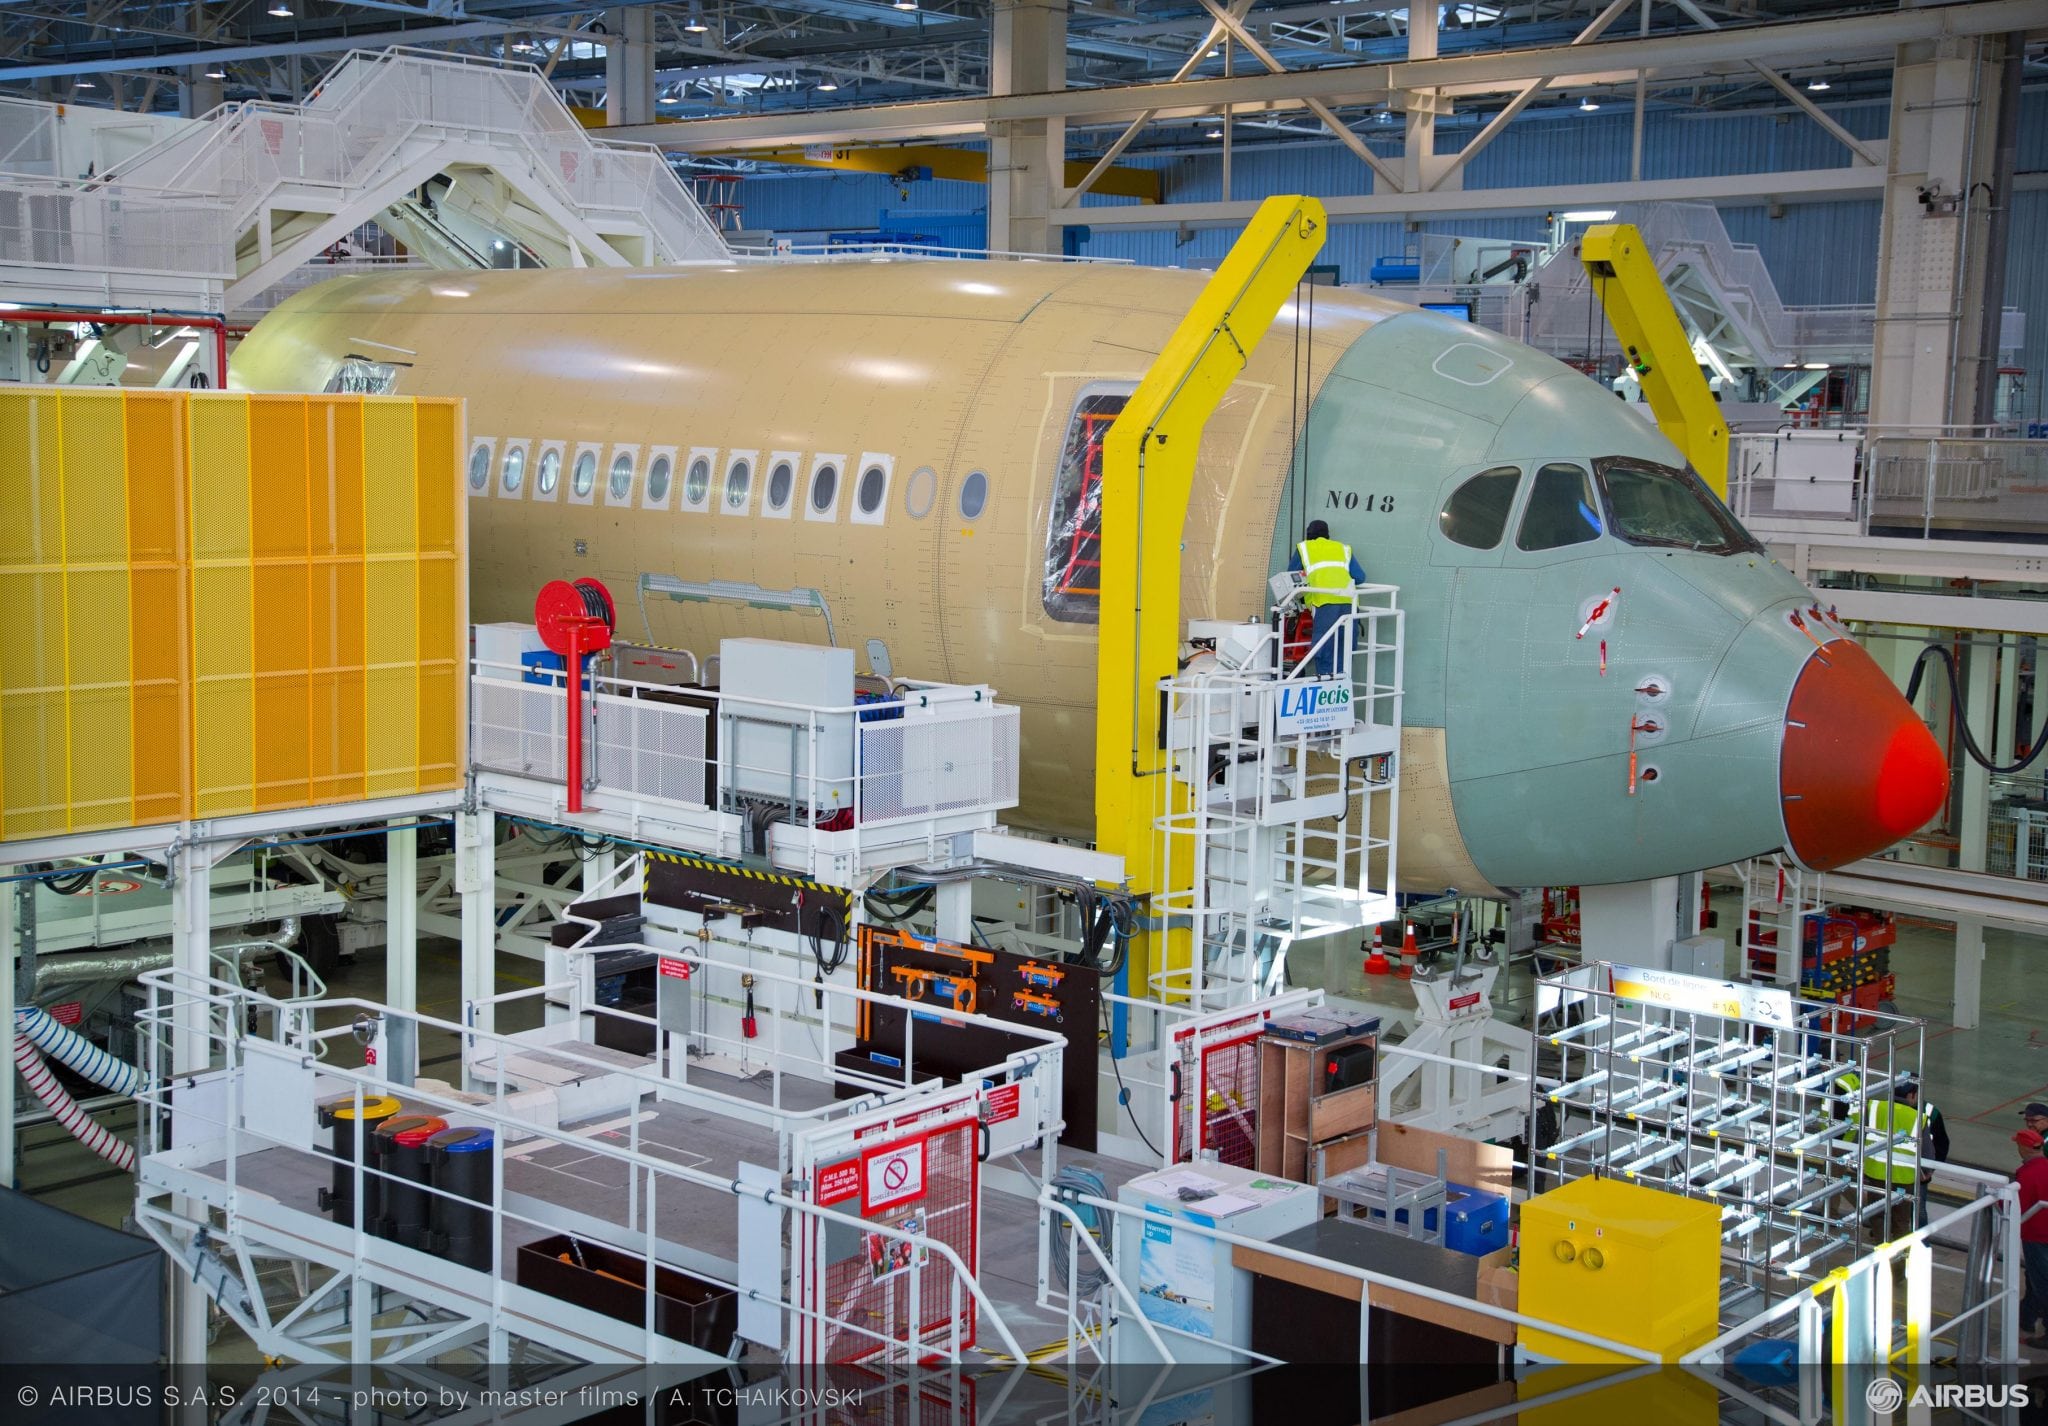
1632	1264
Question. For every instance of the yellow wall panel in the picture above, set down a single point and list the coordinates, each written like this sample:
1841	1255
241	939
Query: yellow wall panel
223	604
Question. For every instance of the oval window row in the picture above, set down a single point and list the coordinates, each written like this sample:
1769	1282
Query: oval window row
822	483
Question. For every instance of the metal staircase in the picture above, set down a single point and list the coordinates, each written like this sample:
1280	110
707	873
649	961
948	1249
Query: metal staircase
237	201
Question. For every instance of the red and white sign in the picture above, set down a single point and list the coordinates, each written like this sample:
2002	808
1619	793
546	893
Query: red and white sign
1464	1002
894	1175
113	886
838	1182
69	1013
1002	1103
675	969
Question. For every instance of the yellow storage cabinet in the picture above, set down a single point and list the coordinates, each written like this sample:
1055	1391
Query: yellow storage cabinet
1618	1260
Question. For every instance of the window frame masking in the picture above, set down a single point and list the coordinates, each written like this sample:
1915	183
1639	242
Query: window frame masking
1735	540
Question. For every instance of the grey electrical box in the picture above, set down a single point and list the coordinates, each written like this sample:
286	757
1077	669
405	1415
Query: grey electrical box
769	690
1701	955
672	995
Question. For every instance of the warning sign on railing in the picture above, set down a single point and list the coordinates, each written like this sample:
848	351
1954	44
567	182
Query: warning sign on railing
894	1175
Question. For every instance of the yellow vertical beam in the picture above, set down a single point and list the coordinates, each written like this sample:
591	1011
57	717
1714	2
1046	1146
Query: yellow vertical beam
223	616
1654	341
442	641
159	694
1148	468
32	592
390	597
99	752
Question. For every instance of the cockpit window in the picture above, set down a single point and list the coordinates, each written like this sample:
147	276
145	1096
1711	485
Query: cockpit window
1562	509
1476	515
1655	505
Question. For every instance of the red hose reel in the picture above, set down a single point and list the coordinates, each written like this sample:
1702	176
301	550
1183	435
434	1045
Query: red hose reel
575	621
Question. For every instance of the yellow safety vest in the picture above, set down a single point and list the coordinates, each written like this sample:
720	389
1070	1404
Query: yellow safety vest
1325	564
1901	1162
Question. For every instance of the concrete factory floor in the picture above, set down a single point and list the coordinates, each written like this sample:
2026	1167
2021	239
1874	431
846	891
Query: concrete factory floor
1980	1078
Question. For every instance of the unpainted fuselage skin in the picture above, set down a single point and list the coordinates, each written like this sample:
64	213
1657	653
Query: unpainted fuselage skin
1516	763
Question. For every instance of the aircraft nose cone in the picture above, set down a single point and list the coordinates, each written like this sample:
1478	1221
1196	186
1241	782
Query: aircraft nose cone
1859	769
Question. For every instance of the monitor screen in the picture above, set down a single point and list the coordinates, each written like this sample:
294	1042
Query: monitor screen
1461	310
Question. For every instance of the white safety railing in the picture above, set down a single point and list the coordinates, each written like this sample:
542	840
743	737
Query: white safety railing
886	249
1964	482
868	772
260	1084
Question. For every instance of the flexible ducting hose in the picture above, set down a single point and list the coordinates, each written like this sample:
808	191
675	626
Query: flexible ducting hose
1937	654
82	1126
1088	1273
73	1051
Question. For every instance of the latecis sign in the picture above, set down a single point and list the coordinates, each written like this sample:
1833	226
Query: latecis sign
1320	705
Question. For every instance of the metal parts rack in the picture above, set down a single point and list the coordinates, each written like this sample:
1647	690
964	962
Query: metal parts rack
1732	1093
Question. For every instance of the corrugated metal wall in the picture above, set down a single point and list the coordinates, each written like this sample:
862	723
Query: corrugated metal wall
1820	253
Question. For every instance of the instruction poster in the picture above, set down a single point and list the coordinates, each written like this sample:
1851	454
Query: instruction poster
1177	1278
889	1256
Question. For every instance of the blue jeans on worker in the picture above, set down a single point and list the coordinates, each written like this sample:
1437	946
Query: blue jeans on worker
1326	617
2034	1302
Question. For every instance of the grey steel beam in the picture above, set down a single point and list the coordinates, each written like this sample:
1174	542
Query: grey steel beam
1703	53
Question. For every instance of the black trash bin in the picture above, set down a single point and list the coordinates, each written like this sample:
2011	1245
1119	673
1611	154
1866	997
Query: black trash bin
402	1153
459	1227
339	1114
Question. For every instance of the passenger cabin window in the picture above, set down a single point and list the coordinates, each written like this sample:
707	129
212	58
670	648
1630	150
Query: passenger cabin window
480	466
1650	504
781	481
359	376
697	484
824	488
550	473
1476	515
1073	536
514	470
1561	509
621	479
973	495
584	480
657	480
739	477
874	484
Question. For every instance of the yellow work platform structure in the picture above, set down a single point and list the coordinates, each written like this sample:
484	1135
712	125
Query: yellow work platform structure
220	604
1148	468
1634	1265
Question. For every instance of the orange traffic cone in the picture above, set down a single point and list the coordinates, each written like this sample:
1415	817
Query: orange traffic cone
1376	963
1410	952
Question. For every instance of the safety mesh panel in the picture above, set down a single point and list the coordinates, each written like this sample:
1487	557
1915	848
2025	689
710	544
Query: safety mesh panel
855	1294
518	728
193	633
651	749
923	766
1229	1104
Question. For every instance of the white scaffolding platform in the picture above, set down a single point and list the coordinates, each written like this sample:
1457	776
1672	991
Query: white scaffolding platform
1283	796
212	215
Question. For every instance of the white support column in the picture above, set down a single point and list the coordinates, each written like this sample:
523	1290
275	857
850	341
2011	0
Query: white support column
1027	159
401	918
198	95
1632	922
1421	167
1934	251
629	66
1969	987
190	866
954	908
476	880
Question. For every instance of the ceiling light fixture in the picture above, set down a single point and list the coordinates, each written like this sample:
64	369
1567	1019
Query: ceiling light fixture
1588	104
1213	134
695	24
281	10
670	99
1817	84
1589	215
216	74
906	4
827	84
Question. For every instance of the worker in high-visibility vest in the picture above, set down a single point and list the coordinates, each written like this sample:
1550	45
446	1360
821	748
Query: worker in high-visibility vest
1329	572
1897	1165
